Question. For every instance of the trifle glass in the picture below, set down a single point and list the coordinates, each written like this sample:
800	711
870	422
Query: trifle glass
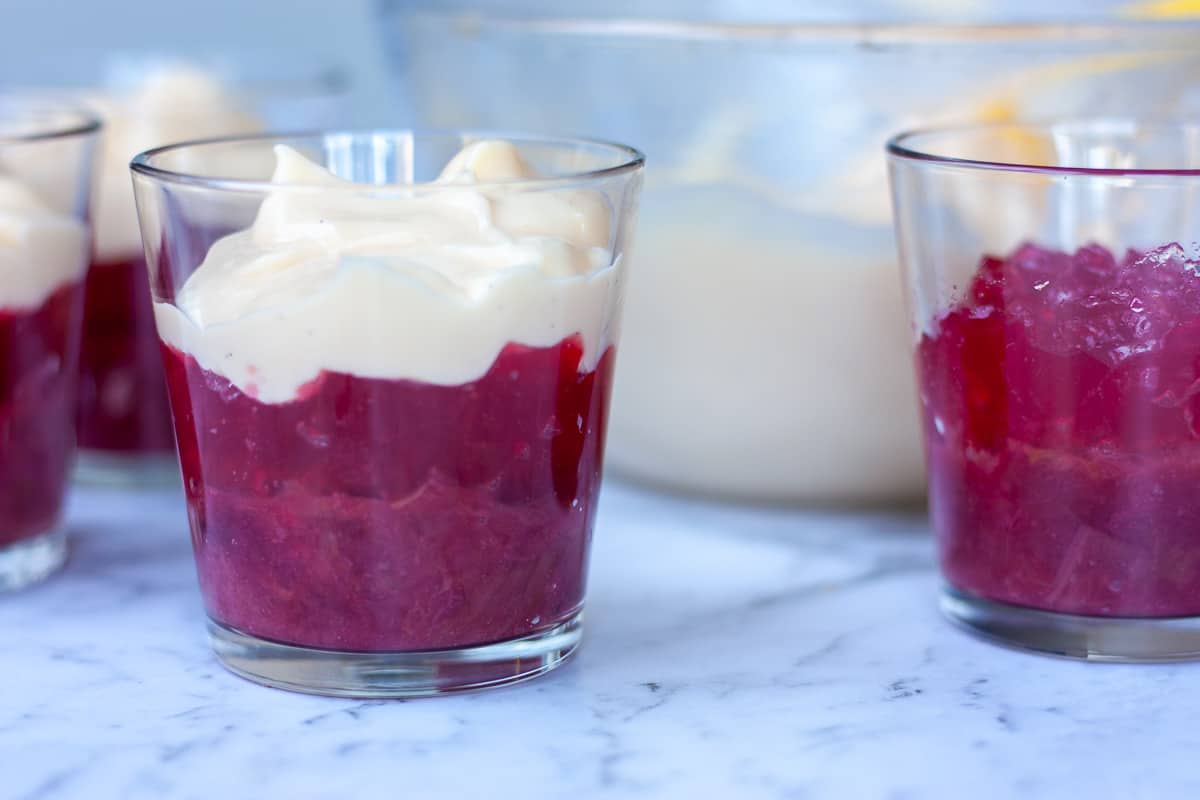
389	357
1054	284
124	419
45	162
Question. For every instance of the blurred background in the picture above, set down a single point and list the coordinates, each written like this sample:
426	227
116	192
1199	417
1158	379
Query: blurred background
69	41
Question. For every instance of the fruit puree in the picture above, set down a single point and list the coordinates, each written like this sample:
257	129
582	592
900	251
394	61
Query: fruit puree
1061	398
395	515
42	260
390	408
39	352
122	399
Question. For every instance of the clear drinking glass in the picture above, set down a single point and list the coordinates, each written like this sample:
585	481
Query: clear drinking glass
45	162
1053	274
124	420
390	395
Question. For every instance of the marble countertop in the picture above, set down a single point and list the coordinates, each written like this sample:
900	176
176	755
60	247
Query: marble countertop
729	653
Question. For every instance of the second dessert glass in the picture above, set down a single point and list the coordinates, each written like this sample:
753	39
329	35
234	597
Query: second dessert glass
1054	280
45	160
390	395
124	421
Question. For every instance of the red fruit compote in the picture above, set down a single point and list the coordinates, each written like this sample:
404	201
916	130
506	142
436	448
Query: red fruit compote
390	410
42	261
122	397
1061	397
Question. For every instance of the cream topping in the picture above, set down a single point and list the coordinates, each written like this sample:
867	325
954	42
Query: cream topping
40	249
424	283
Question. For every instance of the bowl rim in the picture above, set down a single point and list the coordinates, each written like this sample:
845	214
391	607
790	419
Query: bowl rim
860	34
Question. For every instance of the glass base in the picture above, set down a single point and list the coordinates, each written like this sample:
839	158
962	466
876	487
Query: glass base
411	674
1137	639
125	470
29	561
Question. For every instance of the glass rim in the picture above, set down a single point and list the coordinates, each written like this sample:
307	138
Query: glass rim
48	119
858	34
142	164
903	146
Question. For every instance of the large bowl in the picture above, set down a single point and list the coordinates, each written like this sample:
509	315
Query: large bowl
765	354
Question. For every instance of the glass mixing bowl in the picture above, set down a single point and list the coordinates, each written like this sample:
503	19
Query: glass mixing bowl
765	352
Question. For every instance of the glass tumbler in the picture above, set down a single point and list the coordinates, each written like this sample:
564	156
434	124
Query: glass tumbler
1053	274
389	357
124	420
45	163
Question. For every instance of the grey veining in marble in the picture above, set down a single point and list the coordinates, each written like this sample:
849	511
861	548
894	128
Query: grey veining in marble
730	653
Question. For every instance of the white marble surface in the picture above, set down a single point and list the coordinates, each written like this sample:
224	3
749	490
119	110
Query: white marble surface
730	653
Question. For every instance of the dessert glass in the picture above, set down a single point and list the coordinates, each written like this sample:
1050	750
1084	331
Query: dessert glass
1053	275
390	395
124	419
45	161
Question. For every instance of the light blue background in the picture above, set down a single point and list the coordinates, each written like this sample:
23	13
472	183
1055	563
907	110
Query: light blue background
60	41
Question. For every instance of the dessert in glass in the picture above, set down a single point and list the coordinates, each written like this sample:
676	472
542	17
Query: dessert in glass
390	388
45	161
1054	285
124	419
